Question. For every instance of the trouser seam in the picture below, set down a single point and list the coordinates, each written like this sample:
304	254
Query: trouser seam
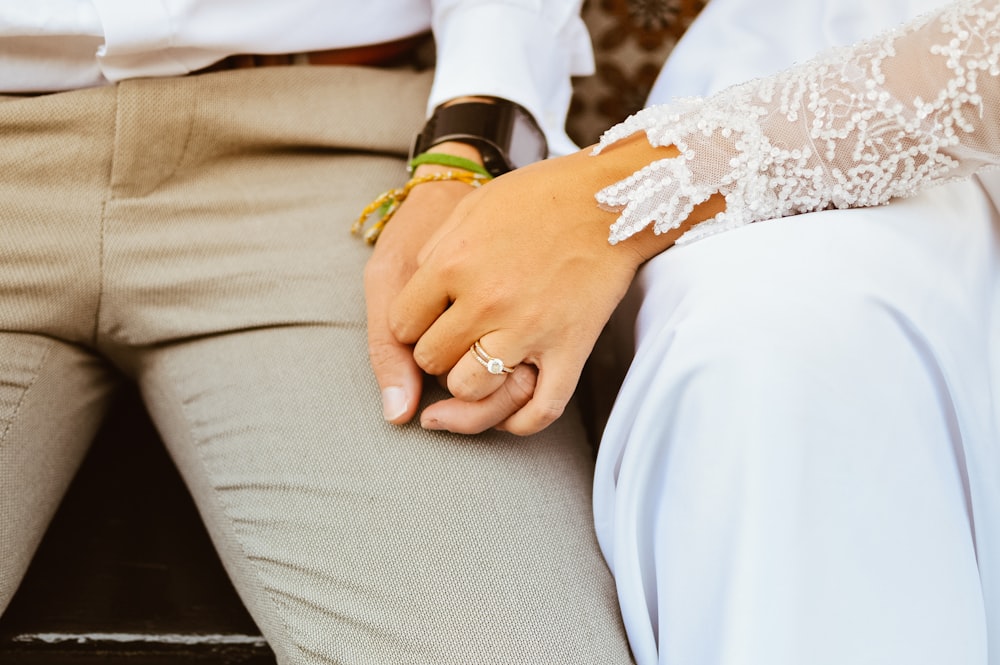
102	231
24	395
95	335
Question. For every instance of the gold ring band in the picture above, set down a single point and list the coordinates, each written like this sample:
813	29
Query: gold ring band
492	365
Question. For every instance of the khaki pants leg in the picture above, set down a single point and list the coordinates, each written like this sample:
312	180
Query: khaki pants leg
53	390
52	398
354	541
234	295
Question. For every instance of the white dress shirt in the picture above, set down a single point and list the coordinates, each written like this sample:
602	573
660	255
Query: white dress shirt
523	50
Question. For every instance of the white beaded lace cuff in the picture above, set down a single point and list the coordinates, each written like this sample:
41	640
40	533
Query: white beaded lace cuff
854	127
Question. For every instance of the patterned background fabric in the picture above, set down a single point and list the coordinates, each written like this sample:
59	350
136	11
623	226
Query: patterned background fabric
631	39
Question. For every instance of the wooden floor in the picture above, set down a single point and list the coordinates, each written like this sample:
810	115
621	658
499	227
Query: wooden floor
126	572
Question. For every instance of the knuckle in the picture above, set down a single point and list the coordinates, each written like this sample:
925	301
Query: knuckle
550	411
428	362
401	329
449	268
397	328
494	298
543	415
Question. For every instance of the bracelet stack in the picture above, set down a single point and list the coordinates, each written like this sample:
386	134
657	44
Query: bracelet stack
388	202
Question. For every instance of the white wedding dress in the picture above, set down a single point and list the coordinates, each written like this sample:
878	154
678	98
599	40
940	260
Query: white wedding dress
802	466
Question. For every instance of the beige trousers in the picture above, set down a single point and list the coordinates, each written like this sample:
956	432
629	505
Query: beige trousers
192	235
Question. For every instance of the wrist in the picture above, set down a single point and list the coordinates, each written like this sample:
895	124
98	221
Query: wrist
624	158
503	132
454	148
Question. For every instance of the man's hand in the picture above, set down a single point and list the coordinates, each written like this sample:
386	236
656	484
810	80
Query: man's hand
393	261
391	265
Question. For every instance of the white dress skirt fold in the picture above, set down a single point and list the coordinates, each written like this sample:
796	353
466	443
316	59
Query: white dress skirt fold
803	463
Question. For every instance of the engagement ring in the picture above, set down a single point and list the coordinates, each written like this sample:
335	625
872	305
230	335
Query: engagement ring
492	365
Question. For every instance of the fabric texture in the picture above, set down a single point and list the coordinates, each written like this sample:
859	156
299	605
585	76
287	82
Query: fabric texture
191	234
802	463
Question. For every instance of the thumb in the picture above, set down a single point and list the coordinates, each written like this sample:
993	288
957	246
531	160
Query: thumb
399	378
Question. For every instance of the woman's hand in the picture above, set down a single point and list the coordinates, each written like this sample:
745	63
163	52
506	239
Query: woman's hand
524	267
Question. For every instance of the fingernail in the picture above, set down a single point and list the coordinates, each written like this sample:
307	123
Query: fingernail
393	403
430	423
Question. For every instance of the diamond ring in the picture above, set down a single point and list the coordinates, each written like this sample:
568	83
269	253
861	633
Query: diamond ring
492	365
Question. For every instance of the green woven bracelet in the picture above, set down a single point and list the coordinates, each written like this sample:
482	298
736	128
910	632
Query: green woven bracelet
443	159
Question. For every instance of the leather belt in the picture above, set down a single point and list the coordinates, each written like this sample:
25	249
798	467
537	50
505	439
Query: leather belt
385	54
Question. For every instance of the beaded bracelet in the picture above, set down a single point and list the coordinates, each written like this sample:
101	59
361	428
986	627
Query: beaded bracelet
388	202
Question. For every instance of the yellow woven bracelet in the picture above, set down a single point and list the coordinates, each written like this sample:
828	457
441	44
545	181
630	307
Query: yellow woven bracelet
388	202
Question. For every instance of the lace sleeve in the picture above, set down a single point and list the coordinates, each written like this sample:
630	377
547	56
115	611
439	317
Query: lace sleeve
855	127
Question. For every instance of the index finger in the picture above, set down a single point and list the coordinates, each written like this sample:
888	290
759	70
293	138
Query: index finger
418	305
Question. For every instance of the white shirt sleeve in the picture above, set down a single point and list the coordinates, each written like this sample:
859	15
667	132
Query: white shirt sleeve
521	50
855	127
